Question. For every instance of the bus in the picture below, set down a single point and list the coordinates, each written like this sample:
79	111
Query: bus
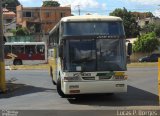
88	55
25	53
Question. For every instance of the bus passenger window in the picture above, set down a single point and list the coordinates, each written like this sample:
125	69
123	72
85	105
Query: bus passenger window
30	49
18	49
7	49
40	49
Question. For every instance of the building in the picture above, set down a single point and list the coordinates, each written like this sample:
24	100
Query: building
142	15
145	21
9	22
40	19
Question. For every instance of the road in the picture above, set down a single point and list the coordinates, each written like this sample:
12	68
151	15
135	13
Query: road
33	90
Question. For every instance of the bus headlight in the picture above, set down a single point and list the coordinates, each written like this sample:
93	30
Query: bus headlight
120	77
72	78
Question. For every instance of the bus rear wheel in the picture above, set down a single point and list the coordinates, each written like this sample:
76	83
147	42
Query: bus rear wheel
59	90
17	62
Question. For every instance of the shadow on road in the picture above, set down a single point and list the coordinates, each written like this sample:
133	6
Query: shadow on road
134	97
15	89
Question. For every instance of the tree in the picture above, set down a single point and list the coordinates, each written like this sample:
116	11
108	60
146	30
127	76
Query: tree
152	27
157	30
20	32
129	20
146	43
51	4
10	4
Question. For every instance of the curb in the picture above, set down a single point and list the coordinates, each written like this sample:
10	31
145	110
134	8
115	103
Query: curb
27	67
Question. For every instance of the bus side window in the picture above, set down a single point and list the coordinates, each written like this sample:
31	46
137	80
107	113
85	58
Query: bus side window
7	49
40	49
17	49
30	49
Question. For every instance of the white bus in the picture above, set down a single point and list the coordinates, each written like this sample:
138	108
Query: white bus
89	55
25	53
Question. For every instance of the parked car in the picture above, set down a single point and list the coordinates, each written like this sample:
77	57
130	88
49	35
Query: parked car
152	58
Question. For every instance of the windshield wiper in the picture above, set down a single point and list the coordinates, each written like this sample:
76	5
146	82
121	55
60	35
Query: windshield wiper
83	60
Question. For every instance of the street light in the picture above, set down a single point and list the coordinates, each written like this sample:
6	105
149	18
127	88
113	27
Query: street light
2	65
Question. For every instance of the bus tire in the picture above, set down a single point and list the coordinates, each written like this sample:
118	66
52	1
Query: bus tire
17	62
59	90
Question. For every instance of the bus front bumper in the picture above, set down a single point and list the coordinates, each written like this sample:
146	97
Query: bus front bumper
94	87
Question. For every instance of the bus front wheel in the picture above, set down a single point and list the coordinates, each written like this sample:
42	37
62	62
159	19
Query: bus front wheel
59	90
17	62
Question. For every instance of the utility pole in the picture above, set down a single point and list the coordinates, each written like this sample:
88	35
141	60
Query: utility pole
2	65
79	11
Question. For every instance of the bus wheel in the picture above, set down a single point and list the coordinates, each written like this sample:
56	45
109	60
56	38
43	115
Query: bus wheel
59	90
17	62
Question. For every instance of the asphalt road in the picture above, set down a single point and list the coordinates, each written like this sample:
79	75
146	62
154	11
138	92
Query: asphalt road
33	90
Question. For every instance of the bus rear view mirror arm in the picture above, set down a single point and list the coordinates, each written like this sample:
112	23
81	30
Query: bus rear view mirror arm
129	49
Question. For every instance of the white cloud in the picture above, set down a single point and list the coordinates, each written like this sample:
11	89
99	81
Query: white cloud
104	6
156	13
82	3
146	2
85	5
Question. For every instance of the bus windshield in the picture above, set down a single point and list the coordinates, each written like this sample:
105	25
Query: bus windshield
93	28
94	55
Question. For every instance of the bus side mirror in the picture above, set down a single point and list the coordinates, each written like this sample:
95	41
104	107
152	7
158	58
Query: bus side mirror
60	53
129	49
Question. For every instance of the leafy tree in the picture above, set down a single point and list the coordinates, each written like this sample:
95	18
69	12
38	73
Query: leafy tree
20	31
149	14
157	30
152	27
51	4
10	4
146	43
129	20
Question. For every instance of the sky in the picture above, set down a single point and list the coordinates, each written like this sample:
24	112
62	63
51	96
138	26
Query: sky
103	7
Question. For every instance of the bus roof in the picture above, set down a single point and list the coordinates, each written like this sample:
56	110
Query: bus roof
25	43
85	18
90	18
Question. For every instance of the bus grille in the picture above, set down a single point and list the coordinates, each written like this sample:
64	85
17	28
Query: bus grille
104	77
88	78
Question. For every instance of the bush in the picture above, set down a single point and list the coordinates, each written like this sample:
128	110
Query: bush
146	43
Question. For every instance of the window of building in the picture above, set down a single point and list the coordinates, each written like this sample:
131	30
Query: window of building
8	20
146	22
48	14
27	14
7	49
62	14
